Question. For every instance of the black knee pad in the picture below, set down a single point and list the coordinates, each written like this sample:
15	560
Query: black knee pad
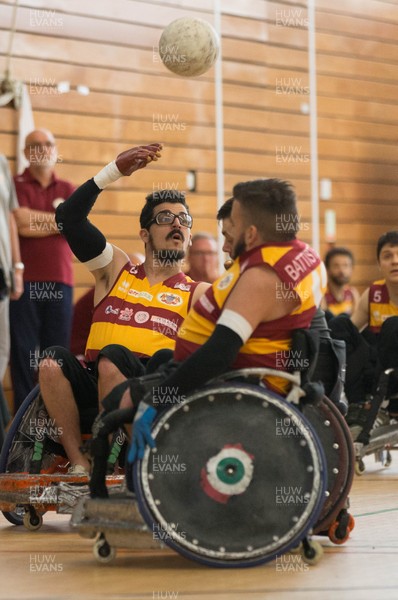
127	363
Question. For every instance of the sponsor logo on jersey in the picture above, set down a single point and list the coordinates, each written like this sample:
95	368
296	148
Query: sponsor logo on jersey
225	281
138	294
124	286
166	322
111	311
141	316
126	314
182	286
170	299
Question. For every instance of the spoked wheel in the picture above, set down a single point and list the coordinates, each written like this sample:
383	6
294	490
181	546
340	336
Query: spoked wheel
29	447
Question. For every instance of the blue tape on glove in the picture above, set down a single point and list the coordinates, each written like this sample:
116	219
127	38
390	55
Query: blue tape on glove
142	435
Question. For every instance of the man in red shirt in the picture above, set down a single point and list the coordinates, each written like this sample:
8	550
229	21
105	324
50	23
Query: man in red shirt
42	316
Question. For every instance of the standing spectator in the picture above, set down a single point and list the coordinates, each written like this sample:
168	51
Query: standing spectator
11	273
340	297
203	258
42	317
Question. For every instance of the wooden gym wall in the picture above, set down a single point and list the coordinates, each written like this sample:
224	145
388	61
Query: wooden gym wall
111	47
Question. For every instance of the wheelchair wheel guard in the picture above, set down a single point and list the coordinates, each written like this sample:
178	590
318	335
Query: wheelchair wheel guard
238	476
335	438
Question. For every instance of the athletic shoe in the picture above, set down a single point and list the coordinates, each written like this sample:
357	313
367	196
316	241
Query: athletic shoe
356	417
78	470
382	419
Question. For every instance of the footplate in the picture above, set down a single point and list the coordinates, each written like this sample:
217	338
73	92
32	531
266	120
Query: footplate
118	519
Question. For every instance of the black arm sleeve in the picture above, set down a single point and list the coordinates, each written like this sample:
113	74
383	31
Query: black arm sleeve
84	239
210	360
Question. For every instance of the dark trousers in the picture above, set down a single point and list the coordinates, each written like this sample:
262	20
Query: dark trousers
4	416
40	318
367	356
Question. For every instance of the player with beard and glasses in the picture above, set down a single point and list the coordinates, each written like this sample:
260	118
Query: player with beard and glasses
248	315
137	309
340	297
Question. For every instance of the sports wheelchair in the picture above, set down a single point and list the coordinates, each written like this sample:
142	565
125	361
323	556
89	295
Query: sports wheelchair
379	440
239	475
372	384
34	467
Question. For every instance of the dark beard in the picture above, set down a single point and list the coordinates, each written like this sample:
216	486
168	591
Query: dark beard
239	249
166	257
339	280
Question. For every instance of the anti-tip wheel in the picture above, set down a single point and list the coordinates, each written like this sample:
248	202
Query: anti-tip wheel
359	467
313	553
338	534
351	522
103	552
33	522
339	531
387	459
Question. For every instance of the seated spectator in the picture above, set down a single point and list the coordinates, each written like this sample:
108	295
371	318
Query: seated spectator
340	297
203	258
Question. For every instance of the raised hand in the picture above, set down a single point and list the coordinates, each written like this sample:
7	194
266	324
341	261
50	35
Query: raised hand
137	158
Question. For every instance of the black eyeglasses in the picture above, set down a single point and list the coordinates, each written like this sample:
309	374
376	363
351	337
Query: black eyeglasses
166	217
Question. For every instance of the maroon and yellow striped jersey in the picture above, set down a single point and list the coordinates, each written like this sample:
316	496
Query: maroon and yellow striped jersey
141	317
302	275
380	305
337	307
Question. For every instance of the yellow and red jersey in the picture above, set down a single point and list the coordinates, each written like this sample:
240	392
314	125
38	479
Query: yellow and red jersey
141	317
380	305
302	276
337	307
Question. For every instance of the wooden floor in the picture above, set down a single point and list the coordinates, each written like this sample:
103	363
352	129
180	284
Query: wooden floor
365	567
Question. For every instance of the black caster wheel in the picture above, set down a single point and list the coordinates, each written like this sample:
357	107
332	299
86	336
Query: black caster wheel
359	467
32	520
312	552
103	552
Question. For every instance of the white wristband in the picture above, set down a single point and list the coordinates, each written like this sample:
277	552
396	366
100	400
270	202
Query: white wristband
107	175
142	407
102	260
238	324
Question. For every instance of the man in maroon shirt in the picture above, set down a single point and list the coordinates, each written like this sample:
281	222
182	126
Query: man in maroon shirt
42	316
